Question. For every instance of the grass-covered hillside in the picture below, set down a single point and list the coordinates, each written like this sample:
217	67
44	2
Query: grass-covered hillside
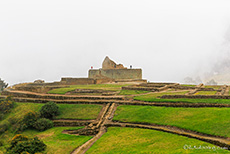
205	120
134	140
80	120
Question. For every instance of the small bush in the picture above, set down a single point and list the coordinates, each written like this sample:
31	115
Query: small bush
13	120
28	120
1	116
43	124
3	127
6	105
23	144
1	143
49	110
16	127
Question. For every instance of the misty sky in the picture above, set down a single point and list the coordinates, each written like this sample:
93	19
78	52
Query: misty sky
169	40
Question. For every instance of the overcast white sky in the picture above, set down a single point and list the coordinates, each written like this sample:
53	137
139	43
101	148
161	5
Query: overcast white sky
168	39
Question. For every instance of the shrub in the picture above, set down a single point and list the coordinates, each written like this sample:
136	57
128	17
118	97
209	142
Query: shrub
13	120
23	144
28	120
1	143
1	116
43	124
6	105
49	110
3	127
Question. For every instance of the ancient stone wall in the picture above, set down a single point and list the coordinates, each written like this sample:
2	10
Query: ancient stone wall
109	64
38	89
77	81
116	73
195	96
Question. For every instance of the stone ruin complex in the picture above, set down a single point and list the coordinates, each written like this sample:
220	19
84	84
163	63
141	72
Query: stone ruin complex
109	73
114	71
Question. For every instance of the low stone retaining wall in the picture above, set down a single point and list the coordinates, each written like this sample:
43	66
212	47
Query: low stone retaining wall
139	88
155	84
130	80
58	123
38	88
56	96
195	96
77	81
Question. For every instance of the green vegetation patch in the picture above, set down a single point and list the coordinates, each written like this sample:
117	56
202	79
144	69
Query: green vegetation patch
57	143
68	111
132	92
155	97
214	87
112	87
135	140
158	95
213	121
20	110
78	111
206	93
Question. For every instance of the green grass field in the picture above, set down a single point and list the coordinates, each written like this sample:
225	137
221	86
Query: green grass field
159	94
155	97
132	92
214	87
111	87
20	110
68	111
134	140
206	93
57	143
213	121
79	111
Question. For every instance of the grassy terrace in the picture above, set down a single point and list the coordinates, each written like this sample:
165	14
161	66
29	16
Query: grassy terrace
133	140
57	143
68	111
206	93
213	121
79	111
132	92
112	87
155	97
214	87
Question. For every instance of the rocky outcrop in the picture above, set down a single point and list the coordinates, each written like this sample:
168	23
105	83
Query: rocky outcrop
109	64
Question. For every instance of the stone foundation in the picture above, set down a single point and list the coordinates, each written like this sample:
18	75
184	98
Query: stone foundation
116	73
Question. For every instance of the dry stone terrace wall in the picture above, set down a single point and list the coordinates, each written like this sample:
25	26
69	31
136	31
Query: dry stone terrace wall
56	96
77	81
195	96
157	84
38	88
139	88
150	87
